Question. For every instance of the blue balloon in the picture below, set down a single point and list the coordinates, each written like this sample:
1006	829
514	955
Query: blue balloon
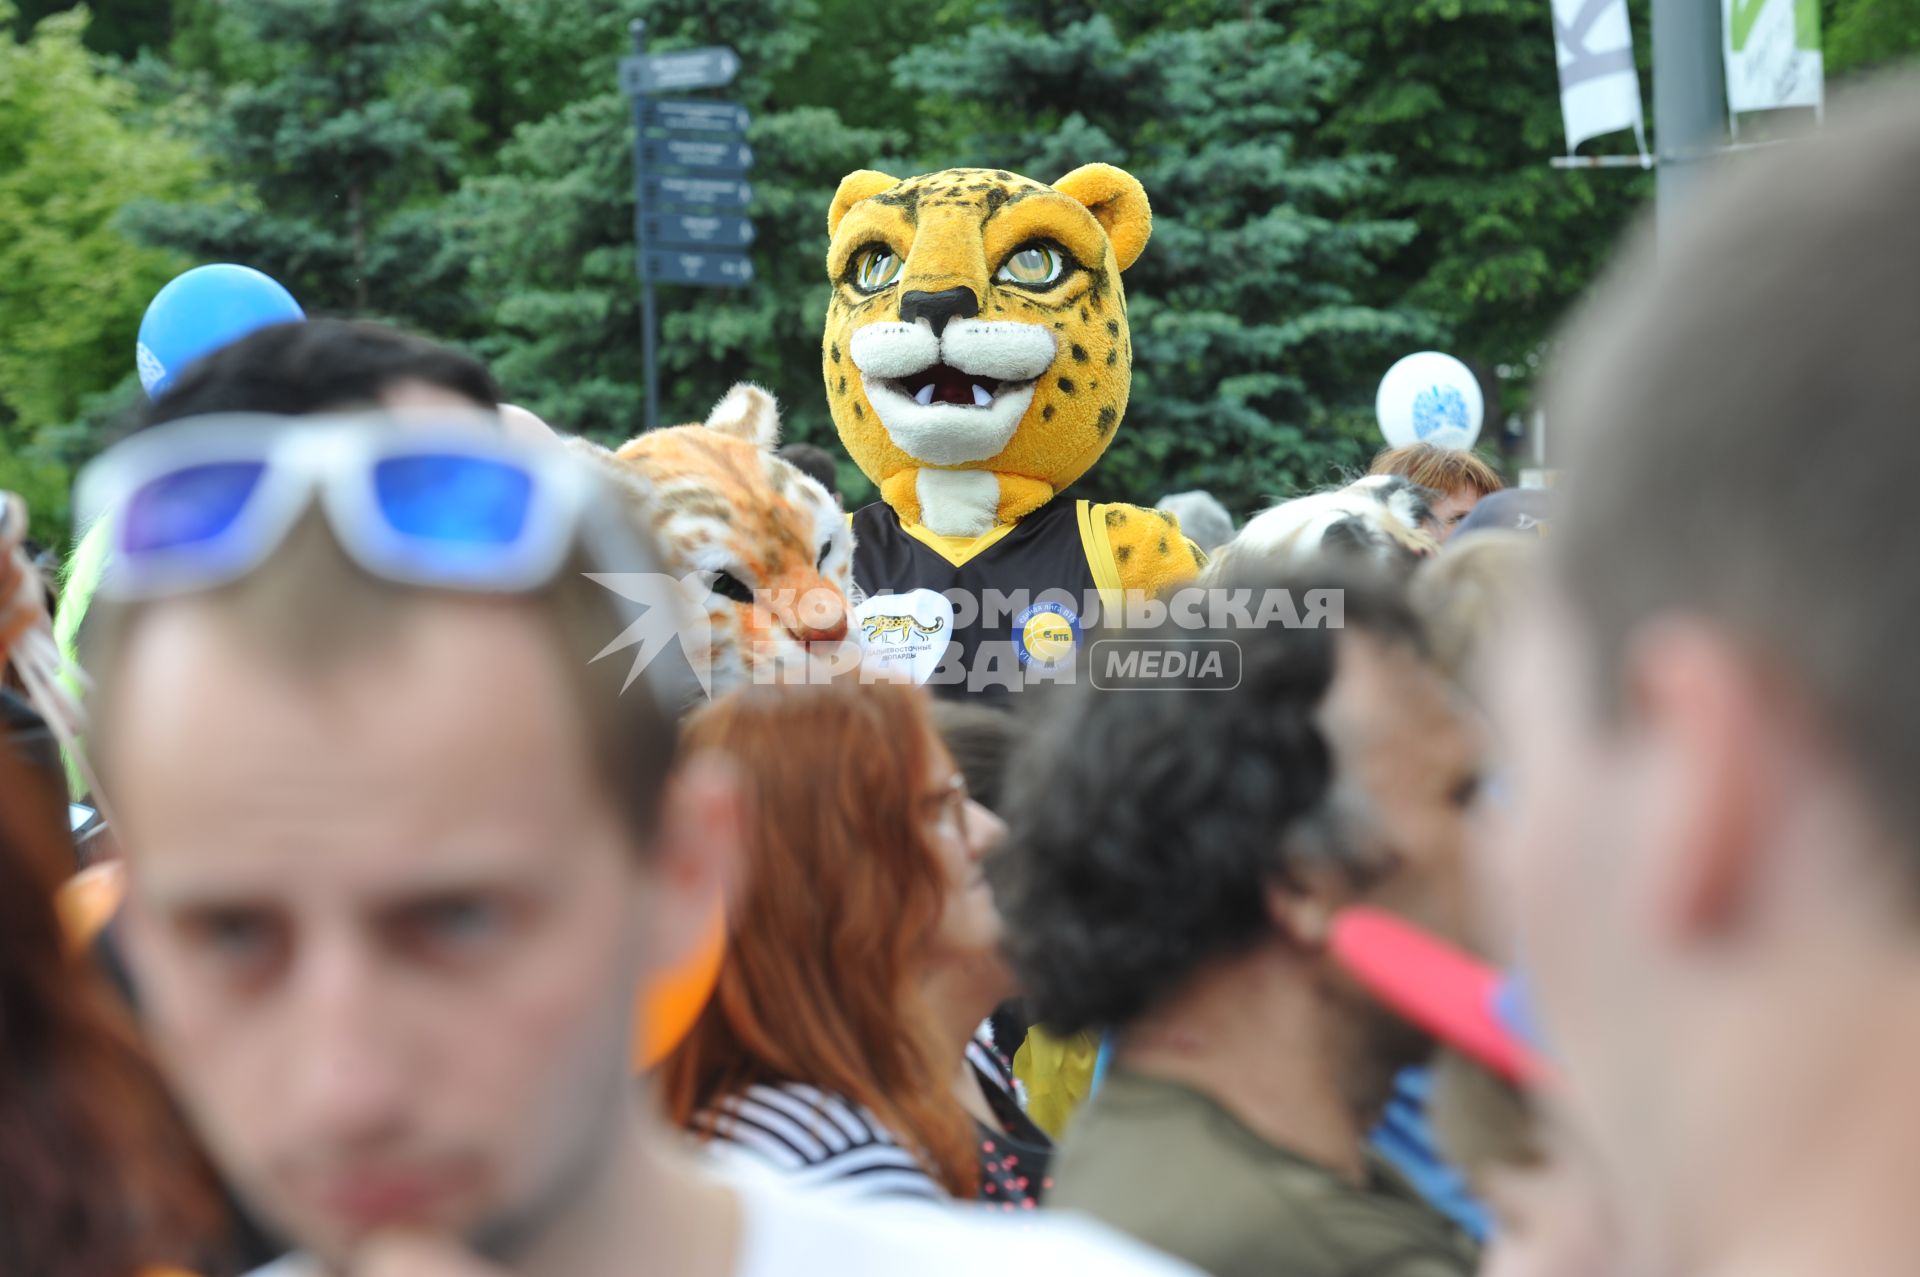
199	312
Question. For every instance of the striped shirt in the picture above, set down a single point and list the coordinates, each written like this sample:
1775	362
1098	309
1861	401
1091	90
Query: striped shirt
817	1140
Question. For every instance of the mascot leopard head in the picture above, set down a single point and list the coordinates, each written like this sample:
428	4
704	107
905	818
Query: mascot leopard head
976	351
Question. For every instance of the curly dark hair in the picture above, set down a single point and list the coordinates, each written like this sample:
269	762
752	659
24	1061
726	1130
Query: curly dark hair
1146	823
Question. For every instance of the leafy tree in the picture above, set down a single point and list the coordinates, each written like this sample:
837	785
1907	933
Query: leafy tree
552	235
341	138
1253	346
72	285
1464	95
119	27
523	60
1863	34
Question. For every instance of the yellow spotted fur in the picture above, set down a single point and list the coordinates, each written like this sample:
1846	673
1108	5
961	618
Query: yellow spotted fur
954	229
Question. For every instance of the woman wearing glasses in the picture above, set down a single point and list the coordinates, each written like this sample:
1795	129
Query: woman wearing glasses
820	1055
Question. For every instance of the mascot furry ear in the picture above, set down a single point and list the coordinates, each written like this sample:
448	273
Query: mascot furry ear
750	413
977	360
1118	202
856	186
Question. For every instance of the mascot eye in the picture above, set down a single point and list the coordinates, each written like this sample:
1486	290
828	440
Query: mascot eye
875	268
729	586
1035	265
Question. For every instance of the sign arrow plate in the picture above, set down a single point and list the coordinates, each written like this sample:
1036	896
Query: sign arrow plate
716	191
707	68
706	270
695	115
696	230
716	156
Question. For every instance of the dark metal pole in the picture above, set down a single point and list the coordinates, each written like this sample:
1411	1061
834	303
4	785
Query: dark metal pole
1689	98
649	324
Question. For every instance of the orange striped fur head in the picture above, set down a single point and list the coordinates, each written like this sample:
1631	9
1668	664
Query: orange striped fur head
772	544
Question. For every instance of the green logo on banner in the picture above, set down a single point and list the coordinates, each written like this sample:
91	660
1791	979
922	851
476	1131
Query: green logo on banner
1806	23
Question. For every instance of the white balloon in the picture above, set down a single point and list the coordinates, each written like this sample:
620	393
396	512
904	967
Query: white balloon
1430	397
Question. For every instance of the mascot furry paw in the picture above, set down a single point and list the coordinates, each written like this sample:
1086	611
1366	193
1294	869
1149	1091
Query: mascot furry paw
977	361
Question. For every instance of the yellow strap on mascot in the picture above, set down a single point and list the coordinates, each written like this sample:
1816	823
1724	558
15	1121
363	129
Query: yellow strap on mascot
977	361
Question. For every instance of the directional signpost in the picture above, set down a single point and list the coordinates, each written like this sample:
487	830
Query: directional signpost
716	270
690	159
696	115
707	68
696	230
713	191
699	154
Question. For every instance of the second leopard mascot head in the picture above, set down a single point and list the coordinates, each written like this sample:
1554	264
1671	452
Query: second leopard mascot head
977	355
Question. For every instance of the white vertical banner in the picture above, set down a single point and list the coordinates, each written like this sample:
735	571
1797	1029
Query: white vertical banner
1599	87
1773	54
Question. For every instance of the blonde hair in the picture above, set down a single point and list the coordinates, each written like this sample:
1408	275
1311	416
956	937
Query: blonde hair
1465	594
1439	470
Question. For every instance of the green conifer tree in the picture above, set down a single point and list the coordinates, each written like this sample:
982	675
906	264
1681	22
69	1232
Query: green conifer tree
1464	95
340	137
1255	355
553	236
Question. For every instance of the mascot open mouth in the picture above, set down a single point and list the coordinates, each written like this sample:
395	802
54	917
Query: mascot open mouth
944	384
955	398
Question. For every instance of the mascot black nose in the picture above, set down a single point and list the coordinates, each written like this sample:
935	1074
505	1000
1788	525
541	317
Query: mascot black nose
938	308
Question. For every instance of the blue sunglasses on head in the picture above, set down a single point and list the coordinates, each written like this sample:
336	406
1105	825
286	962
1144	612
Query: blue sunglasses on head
203	502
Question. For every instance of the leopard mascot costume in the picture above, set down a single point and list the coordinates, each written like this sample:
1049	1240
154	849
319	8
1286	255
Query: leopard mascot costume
977	361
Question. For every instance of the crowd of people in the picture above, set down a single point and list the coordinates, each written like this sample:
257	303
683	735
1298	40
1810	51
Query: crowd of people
1543	909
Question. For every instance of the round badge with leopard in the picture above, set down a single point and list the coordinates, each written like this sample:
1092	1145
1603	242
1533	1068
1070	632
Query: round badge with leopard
977	362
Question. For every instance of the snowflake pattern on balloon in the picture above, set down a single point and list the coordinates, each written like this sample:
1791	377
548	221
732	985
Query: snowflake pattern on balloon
152	371
1438	408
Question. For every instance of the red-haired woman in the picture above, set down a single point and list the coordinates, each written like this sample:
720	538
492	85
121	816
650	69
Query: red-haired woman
97	1179
818	1054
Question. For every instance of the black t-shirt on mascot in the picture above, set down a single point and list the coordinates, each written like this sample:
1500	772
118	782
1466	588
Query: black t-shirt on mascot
1012	610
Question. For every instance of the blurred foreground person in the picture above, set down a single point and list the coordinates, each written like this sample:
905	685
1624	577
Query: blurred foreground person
1457	479
819	1054
98	1177
1714	722
1492	1098
291	370
329	365
400	853
1467	599
1178	889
